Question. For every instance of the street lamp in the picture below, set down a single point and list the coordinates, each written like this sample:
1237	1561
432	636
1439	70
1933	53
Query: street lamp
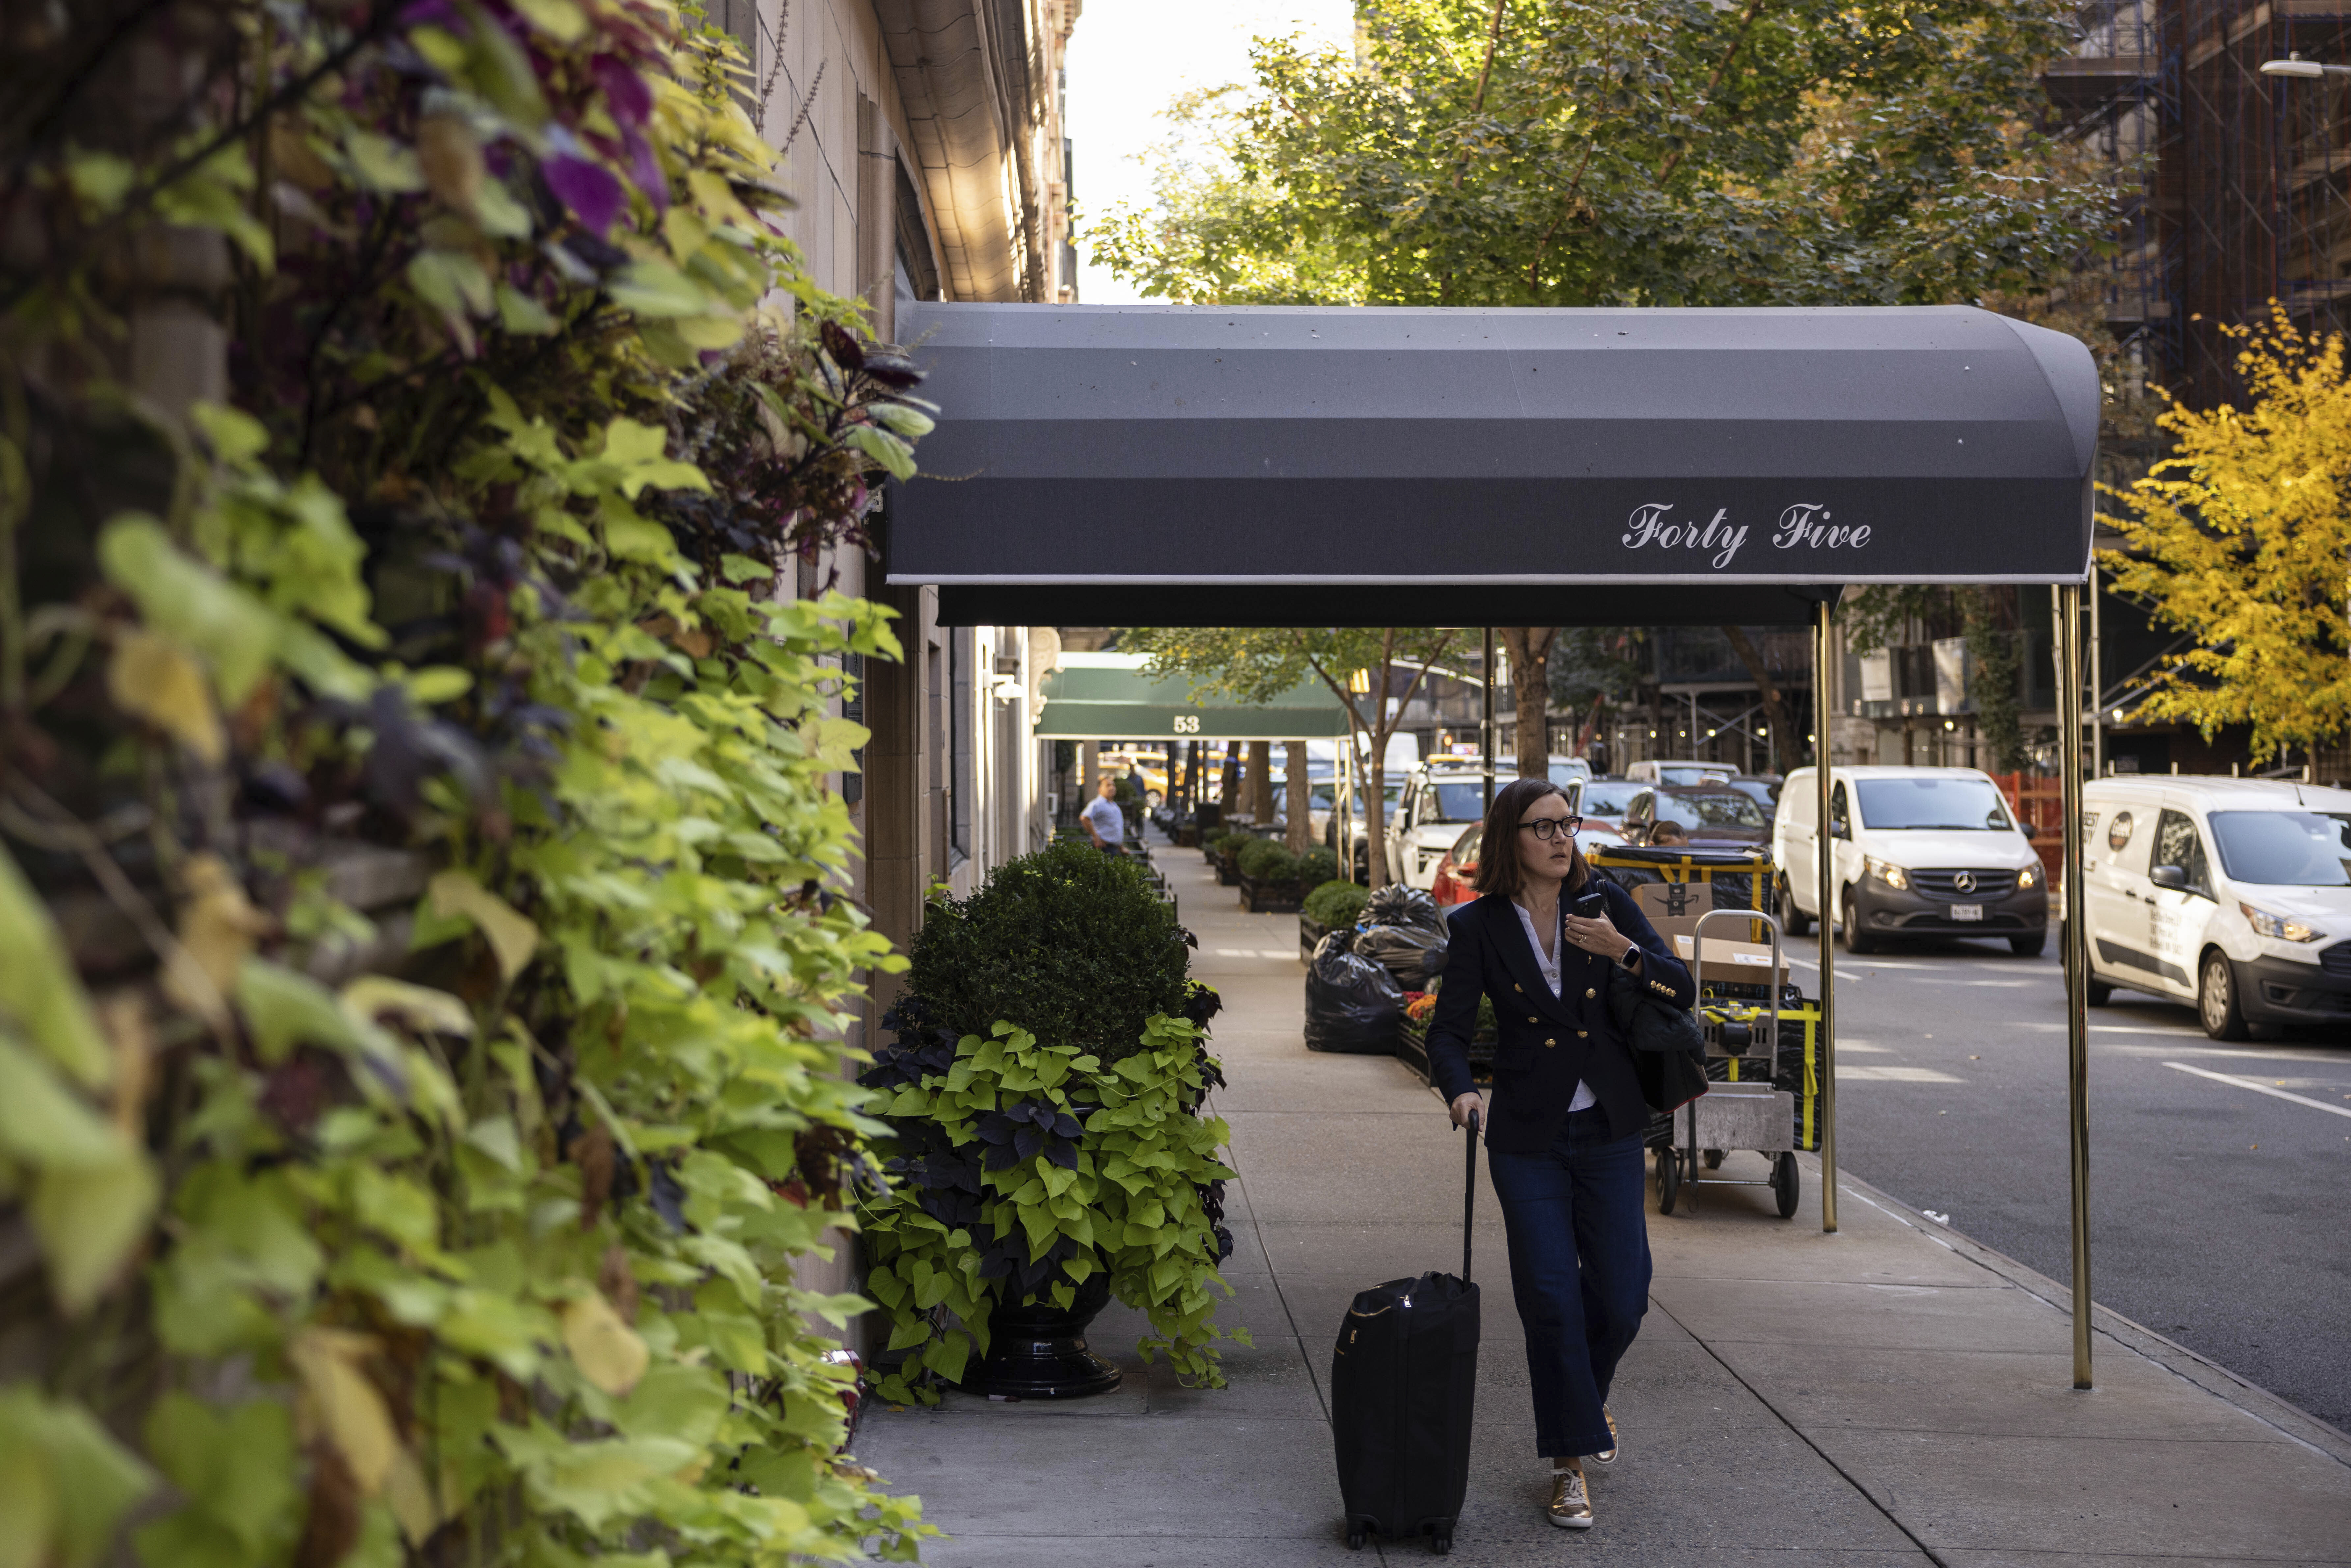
2293	65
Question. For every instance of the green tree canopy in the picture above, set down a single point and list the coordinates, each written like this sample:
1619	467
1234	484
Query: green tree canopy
1627	152
1385	665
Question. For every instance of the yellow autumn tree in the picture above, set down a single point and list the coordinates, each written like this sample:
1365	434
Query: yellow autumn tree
2242	538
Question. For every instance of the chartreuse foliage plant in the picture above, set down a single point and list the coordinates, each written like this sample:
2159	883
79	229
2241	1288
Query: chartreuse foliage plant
1025	1169
1029	1157
420	979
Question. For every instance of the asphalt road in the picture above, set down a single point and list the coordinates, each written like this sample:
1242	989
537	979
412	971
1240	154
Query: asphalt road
2217	1211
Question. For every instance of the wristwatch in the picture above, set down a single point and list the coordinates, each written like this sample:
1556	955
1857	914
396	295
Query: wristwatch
1630	956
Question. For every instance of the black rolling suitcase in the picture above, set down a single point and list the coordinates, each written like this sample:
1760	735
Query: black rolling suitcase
1403	1382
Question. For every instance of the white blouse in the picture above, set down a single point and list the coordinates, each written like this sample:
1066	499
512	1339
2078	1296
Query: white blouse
1549	964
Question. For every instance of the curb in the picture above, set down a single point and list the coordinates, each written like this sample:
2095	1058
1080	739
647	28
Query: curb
2182	1363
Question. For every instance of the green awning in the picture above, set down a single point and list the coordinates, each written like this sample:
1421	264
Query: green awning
1107	696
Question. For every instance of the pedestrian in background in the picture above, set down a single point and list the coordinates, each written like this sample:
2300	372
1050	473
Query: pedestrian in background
1563	1134
1105	823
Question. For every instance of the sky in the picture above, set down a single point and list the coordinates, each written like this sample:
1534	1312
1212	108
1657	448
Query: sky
1128	58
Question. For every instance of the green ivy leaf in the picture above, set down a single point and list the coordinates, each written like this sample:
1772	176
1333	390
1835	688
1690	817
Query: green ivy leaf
234	633
70	1481
38	988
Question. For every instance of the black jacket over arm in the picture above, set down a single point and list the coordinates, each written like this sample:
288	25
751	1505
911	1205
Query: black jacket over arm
1545	1045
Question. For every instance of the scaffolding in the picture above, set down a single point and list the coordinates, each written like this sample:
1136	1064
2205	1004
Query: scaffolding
2232	189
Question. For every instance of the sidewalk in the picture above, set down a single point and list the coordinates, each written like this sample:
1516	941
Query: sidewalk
1892	1394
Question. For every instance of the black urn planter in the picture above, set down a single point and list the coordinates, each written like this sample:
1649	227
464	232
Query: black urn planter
1038	1351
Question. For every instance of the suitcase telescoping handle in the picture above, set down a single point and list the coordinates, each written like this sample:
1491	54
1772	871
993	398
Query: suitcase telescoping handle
1469	1199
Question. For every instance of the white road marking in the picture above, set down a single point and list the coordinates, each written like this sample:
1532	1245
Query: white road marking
1898	1074
2260	1089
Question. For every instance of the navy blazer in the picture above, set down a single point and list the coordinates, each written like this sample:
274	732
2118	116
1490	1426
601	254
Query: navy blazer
1545	1045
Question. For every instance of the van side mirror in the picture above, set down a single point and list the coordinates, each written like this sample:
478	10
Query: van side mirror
2169	877
1837	828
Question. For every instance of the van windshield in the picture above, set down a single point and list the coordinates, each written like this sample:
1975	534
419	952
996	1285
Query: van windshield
1960	804
2298	849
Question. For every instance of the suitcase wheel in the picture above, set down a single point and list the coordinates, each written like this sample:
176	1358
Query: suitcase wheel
1354	1538
1443	1541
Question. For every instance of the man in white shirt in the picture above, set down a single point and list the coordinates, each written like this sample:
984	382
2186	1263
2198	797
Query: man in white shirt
1105	823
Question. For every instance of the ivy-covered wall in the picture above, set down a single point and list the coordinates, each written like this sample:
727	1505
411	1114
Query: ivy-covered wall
424	972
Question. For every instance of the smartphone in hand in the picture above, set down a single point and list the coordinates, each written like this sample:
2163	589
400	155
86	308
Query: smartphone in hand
1588	906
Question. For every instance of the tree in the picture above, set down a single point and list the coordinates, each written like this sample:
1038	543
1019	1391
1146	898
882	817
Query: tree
2241	539
1628	153
1254	666
1529	648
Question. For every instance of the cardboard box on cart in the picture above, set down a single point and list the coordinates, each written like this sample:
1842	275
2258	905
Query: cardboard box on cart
1674	909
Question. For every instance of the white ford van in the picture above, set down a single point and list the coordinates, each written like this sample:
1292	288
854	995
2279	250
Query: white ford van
2233	894
1921	852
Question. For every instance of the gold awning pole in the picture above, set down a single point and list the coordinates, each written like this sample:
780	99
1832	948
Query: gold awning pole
1826	845
2077	962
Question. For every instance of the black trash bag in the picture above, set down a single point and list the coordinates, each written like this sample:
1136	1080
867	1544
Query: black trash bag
1396	904
1352	1005
1404	951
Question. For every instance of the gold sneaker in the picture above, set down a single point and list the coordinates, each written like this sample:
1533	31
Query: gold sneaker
1607	1456
1570	1499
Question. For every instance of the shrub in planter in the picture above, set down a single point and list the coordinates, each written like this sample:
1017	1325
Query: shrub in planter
1030	1159
1317	866
1072	944
1335	904
1266	861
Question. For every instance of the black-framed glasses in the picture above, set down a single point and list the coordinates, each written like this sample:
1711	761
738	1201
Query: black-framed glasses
1553	827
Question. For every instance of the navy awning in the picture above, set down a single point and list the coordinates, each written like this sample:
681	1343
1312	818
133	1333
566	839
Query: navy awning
1469	466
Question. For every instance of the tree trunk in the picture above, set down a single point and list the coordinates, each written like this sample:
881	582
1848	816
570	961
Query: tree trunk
1529	650
1298	794
1261	780
1775	712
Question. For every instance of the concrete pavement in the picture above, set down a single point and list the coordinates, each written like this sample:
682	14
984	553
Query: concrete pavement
1893	1394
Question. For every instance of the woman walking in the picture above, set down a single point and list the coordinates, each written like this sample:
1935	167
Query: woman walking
1563	1134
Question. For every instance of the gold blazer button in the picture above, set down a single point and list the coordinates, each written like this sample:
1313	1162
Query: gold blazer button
1551	1042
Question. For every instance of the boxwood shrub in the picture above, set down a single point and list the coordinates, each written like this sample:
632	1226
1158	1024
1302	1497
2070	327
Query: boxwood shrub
1336	903
1266	861
1317	866
1070	942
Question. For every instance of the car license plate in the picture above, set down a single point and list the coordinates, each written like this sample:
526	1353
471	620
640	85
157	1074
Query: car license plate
1966	911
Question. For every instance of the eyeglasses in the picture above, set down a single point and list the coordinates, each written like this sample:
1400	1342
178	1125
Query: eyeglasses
1553	827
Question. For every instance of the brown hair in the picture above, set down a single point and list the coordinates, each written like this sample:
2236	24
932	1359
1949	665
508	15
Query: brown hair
1499	868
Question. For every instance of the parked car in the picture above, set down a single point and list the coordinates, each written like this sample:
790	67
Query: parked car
1444	793
1919	852
1713	816
1681	773
1763	789
2231	894
1605	802
1359	834
1456	869
1151	765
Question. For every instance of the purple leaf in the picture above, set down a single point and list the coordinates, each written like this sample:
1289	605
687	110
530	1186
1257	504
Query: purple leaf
588	189
625	92
645	170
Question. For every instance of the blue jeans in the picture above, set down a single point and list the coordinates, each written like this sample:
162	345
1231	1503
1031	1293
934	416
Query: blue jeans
1579	1270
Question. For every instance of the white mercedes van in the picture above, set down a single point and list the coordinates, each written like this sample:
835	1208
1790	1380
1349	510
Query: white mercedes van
1921	852
2232	893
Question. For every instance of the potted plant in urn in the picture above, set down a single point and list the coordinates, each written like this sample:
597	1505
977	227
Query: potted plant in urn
1048	1151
